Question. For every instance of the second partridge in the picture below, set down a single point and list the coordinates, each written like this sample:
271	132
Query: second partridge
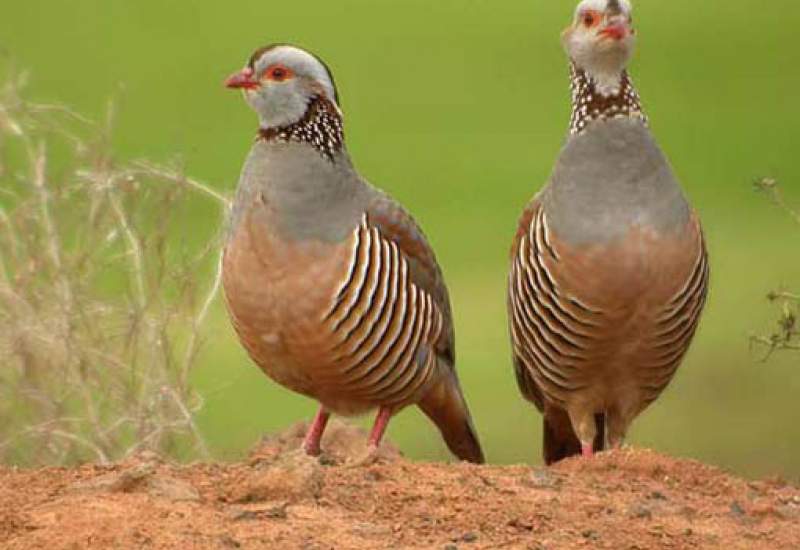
608	267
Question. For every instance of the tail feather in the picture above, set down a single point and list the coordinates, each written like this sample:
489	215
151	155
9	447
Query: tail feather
444	404
560	441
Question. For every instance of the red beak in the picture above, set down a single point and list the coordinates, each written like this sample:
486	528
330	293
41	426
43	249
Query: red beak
614	31
242	79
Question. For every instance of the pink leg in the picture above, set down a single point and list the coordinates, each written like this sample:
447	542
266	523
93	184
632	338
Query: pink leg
587	450
314	435
379	427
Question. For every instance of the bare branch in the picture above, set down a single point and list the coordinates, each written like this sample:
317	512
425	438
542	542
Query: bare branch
148	168
786	336
134	248
96	288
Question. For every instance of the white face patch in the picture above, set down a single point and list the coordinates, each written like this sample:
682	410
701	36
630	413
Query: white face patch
603	59
282	103
302	63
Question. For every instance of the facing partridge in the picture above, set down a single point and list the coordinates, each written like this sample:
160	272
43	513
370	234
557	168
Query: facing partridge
329	283
608	267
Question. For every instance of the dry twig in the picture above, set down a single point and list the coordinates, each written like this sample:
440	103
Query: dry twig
786	335
101	304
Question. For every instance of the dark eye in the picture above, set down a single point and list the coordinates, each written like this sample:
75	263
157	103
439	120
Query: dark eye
278	73
591	18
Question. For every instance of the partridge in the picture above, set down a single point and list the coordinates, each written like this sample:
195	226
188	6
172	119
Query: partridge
609	270
330	284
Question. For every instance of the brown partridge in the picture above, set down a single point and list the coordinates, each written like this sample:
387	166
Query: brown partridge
608	267
330	284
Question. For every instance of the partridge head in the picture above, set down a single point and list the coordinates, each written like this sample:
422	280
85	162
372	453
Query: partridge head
601	40
279	82
294	95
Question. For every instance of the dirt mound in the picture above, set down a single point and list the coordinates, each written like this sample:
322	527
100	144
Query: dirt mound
280	499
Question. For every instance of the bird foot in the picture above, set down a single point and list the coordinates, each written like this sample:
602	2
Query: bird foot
323	458
587	450
368	458
311	449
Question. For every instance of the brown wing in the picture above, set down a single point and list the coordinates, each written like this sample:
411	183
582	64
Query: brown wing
444	402
397	225
387	322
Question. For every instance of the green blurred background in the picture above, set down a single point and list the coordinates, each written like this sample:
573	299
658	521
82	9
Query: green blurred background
458	108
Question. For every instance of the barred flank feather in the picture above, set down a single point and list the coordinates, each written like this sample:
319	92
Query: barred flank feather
384	326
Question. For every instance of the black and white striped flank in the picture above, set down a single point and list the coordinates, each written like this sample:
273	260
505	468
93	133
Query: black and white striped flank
675	327
551	332
555	335
385	327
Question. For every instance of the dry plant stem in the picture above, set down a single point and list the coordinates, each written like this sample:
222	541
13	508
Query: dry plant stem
772	346
101	322
772	188
189	418
67	304
174	177
38	158
3	270
134	247
54	245
787	335
102	458
192	348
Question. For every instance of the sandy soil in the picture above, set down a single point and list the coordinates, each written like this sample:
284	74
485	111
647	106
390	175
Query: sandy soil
280	499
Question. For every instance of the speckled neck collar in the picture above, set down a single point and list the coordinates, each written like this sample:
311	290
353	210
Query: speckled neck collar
588	104
321	127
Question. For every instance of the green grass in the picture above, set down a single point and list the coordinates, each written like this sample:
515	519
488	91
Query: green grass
458	108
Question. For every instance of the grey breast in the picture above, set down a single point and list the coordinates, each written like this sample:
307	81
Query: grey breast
306	195
610	178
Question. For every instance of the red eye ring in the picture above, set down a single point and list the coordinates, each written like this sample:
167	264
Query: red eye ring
590	18
278	73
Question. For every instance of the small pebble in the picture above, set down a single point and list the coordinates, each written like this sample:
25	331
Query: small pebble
542	479
640	511
237	514
230	542
277	512
327	460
